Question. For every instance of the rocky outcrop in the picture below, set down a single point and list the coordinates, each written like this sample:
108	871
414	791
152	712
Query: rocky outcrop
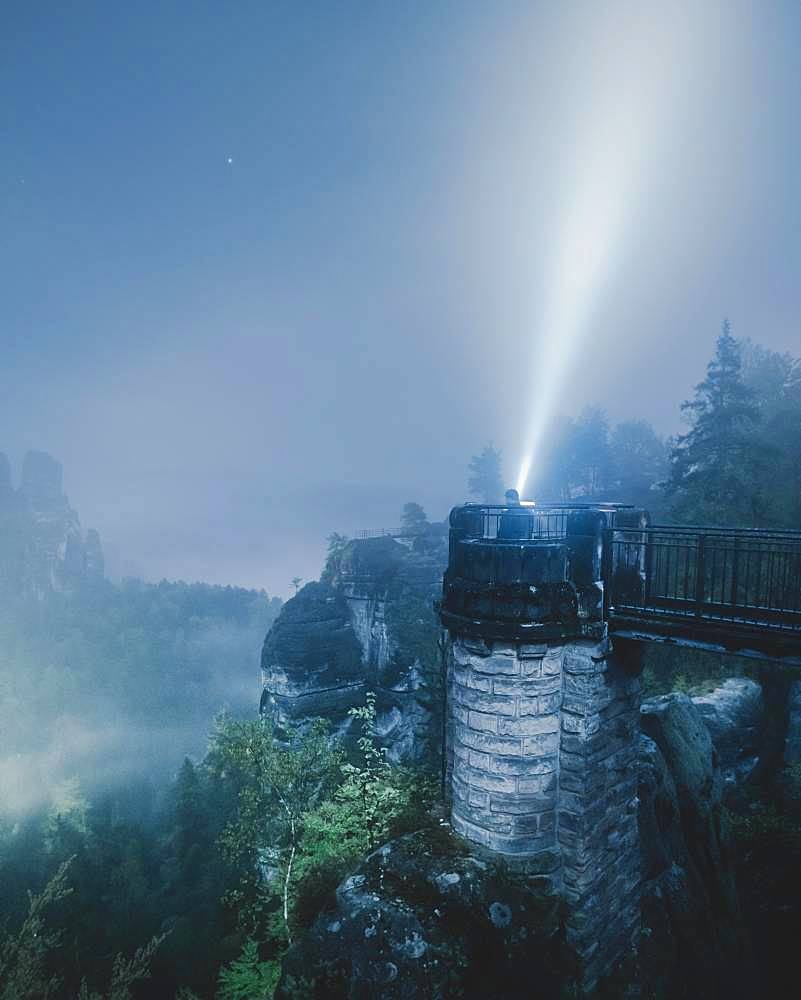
732	713
369	627
424	918
428	916
312	661
42	547
694	941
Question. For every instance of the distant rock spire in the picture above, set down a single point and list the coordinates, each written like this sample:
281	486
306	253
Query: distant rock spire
42	478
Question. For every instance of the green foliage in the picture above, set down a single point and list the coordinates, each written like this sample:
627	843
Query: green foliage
374	802
247	977
23	956
125	972
370	790
278	783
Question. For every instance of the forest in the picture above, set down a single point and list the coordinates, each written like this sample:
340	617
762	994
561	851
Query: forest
189	842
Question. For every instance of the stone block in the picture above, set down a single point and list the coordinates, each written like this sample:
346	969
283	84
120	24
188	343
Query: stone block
525	766
552	665
477	646
484	722
529	725
498	665
586	746
522	805
509	746
481	816
478	797
541	745
472	831
581	663
480	761
528	651
536	783
531	668
587	685
483	701
531	825
550	702
580	725
468	678
489	782
529	687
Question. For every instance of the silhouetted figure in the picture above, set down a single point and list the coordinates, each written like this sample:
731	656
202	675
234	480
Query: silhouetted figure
516	522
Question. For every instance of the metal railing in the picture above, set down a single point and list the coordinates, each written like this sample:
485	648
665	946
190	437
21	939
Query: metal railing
528	522
741	576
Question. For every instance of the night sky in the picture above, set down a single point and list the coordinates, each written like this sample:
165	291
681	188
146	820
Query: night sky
270	270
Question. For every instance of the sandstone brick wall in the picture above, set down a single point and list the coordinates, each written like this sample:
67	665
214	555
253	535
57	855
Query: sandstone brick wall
540	760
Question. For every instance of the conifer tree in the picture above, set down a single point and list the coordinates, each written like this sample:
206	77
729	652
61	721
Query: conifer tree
716	467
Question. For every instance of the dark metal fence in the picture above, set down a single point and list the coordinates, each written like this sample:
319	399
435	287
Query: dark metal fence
739	576
528	522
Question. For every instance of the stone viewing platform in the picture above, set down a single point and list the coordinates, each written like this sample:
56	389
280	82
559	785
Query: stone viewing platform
542	713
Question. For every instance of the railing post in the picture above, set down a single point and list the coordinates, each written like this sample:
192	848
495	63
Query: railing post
735	570
648	559
700	573
606	569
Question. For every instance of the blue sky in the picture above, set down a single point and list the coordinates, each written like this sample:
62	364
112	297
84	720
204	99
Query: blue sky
232	359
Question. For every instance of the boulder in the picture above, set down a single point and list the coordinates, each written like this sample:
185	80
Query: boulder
732	713
424	917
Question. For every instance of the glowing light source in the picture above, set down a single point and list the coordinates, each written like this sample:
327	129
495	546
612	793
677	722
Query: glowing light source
636	69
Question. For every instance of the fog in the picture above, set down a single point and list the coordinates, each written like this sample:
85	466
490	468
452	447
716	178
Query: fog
271	272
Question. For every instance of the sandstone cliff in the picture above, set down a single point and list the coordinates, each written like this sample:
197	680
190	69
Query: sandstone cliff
42	547
369	627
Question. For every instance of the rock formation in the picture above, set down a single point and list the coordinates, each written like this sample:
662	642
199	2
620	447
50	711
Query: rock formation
369	627
42	547
429	916
694	940
425	917
732	713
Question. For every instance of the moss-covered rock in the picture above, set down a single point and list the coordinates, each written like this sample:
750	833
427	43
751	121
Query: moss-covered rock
425	917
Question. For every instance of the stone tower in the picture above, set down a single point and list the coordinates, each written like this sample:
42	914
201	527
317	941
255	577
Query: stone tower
542	715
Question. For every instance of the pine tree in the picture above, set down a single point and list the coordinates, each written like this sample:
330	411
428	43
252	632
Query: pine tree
485	479
716	467
413	519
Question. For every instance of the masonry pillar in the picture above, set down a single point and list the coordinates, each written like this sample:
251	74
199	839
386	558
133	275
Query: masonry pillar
542	717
